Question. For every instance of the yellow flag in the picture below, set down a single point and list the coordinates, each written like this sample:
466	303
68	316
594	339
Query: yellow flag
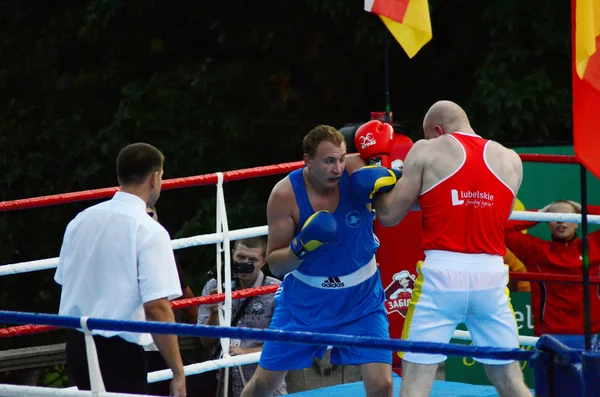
586	82
587	32
407	20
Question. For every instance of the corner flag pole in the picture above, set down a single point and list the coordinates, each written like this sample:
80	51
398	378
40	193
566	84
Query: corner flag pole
386	45
585	260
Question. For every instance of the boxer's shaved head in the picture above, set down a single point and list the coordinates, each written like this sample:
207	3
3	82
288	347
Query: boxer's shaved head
445	117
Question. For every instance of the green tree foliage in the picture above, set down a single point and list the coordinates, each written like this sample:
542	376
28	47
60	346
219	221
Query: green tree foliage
224	85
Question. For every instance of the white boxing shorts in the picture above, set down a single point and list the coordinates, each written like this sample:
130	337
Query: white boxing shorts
453	288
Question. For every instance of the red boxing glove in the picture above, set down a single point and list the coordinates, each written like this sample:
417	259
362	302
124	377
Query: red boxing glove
374	141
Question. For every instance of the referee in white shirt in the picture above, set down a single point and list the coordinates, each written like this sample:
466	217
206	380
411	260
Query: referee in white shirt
117	263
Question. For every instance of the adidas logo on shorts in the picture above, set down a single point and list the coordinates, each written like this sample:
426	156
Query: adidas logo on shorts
332	282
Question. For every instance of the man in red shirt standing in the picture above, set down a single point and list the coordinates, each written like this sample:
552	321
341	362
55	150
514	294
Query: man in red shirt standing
465	186
557	307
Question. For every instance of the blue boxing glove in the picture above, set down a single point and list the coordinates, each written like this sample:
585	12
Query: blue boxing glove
320	228
372	179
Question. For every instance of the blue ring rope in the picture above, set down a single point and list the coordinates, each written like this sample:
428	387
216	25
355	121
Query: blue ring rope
268	335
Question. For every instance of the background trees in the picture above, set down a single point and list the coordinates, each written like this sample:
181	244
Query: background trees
215	84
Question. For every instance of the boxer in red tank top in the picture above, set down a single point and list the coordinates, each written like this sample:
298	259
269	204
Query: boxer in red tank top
465	186
467	211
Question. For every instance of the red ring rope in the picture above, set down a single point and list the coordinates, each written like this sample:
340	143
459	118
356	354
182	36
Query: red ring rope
267	289
209	179
549	158
198	180
178	304
208	299
553	278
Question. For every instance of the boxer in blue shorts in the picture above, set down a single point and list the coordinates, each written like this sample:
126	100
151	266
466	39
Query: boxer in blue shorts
321	238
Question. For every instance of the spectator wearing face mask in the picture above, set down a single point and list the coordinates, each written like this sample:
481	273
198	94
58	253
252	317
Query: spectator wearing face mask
558	307
248	258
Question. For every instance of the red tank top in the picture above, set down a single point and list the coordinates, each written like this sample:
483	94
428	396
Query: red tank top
467	211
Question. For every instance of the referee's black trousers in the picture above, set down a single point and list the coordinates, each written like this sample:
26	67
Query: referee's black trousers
122	364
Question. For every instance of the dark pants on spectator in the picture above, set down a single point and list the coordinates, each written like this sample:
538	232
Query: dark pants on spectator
122	364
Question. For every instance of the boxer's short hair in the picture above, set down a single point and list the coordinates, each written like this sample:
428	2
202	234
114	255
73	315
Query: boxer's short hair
321	133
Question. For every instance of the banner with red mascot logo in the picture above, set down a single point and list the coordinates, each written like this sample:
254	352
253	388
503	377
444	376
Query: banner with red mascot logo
398	255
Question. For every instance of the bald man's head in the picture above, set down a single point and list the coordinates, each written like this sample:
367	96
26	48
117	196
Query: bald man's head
445	117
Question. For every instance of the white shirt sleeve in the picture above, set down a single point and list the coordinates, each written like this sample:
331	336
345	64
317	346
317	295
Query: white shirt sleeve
157	272
64	251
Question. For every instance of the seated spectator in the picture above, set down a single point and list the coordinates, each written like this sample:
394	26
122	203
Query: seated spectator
252	312
187	315
558	307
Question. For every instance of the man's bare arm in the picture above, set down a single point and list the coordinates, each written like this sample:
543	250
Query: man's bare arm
393	206
160	310
282	229
517	169
353	163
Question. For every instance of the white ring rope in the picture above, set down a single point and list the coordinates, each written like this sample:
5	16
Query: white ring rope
225	309
186	242
253	358
205	239
156	376
194	369
536	216
96	382
523	339
36	391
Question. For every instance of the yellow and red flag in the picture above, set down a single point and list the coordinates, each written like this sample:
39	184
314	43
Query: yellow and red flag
407	20
585	15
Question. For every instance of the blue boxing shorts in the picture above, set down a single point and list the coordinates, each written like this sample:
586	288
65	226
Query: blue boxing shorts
281	356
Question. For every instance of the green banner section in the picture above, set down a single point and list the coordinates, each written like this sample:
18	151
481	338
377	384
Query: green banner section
467	370
544	183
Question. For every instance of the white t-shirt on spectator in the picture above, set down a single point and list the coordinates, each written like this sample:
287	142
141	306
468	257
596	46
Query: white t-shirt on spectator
113	259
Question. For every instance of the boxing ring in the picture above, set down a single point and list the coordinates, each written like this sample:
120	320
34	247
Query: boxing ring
30	323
